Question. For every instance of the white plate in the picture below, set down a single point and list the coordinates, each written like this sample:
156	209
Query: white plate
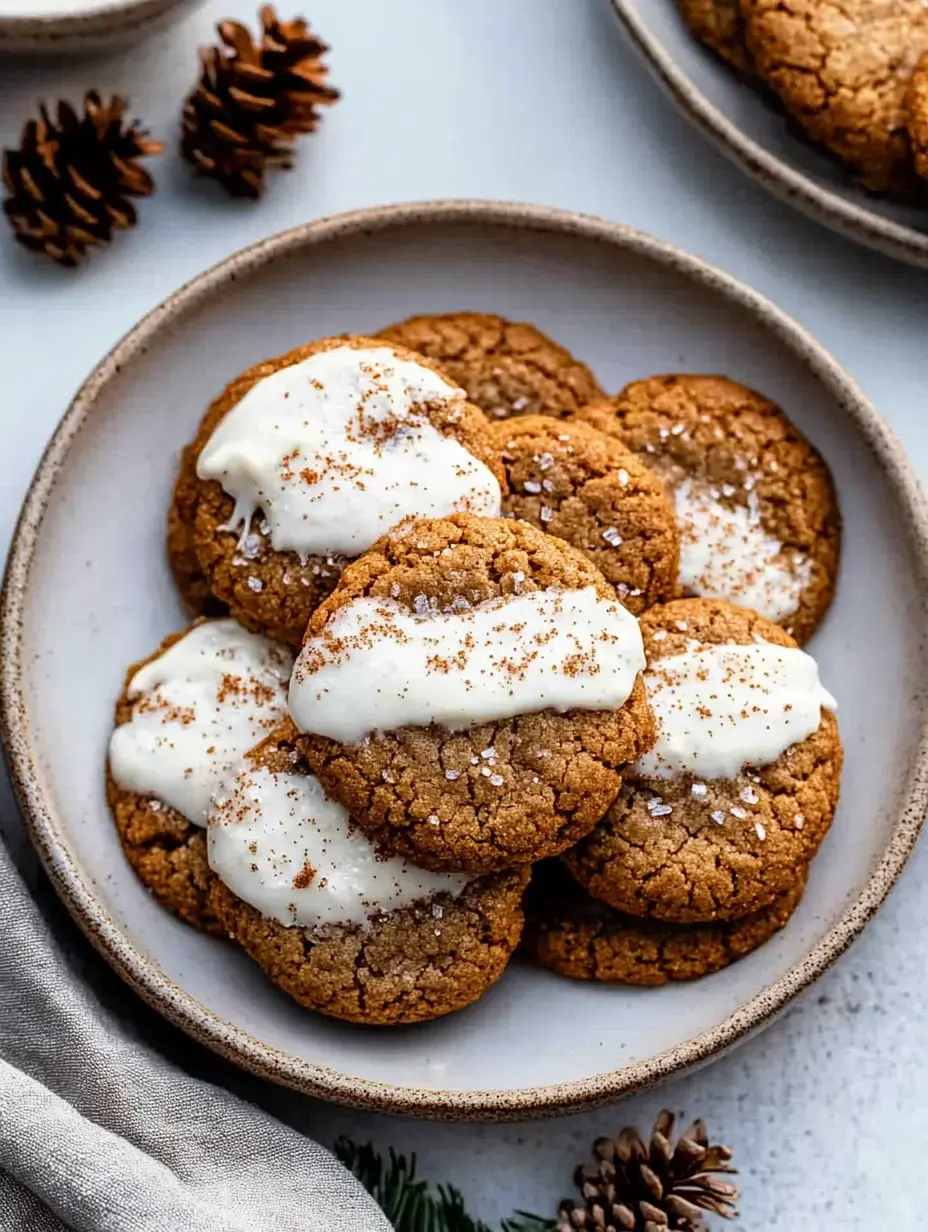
735	117
88	591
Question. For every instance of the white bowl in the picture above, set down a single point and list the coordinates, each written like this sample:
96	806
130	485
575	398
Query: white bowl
73	26
758	138
88	591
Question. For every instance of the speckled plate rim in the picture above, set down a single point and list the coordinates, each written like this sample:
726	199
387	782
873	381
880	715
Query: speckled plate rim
77	29
184	1010
856	221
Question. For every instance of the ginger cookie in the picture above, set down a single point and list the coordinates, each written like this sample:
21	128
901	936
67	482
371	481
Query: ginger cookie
197	705
718	24
916	107
507	367
335	924
470	692
182	555
755	503
306	459
742	784
581	938
843	70
577	483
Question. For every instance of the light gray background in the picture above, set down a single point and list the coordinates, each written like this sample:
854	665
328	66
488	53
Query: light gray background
538	100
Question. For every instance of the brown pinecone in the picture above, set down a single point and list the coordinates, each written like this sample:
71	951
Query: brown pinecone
252	99
68	184
637	1188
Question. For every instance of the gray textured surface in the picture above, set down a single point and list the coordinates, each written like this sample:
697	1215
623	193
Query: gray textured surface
541	100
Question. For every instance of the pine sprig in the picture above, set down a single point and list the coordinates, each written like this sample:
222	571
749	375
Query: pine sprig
409	1203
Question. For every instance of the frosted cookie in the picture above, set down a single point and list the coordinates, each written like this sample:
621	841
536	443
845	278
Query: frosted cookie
577	483
182	555
507	367
343	930
304	460
757	511
916	108
575	935
842	70
719	25
186	714
740	787
470	692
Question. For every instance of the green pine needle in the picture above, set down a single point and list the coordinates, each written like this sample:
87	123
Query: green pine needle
410	1205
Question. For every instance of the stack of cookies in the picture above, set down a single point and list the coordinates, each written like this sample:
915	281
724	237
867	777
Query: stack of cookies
462	622
854	75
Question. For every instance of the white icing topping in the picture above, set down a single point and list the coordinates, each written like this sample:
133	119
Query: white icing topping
720	708
548	649
198	708
280	844
339	448
725	553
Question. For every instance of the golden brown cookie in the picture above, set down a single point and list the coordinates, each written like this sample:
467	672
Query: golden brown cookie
583	939
916	108
718	24
408	965
182	556
690	851
498	794
265	590
577	483
842	69
757	508
167	852
508	368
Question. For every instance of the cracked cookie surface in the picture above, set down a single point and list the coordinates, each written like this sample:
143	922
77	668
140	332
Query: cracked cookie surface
716	433
571	480
718	24
501	793
507	367
577	936
166	851
680	864
842	67
265	590
408	965
916	107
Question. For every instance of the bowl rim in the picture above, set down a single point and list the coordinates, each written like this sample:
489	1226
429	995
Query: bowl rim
796	188
180	1007
56	30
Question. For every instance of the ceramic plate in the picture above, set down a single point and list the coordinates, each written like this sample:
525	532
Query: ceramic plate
747	130
88	591
78	25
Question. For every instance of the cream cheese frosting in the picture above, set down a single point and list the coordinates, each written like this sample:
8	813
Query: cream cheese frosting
339	448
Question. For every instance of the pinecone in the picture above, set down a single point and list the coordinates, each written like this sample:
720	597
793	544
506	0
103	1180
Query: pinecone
636	1188
67	185
252	99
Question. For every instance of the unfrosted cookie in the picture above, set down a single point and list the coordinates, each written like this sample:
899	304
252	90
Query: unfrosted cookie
578	483
742	784
842	69
344	931
205	697
507	367
758	515
916	107
306	459
470	692
575	935
719	25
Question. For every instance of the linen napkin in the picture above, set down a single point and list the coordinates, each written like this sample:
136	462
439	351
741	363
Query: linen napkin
99	1132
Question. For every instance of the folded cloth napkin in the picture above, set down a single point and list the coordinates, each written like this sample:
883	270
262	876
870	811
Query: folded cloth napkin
99	1132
